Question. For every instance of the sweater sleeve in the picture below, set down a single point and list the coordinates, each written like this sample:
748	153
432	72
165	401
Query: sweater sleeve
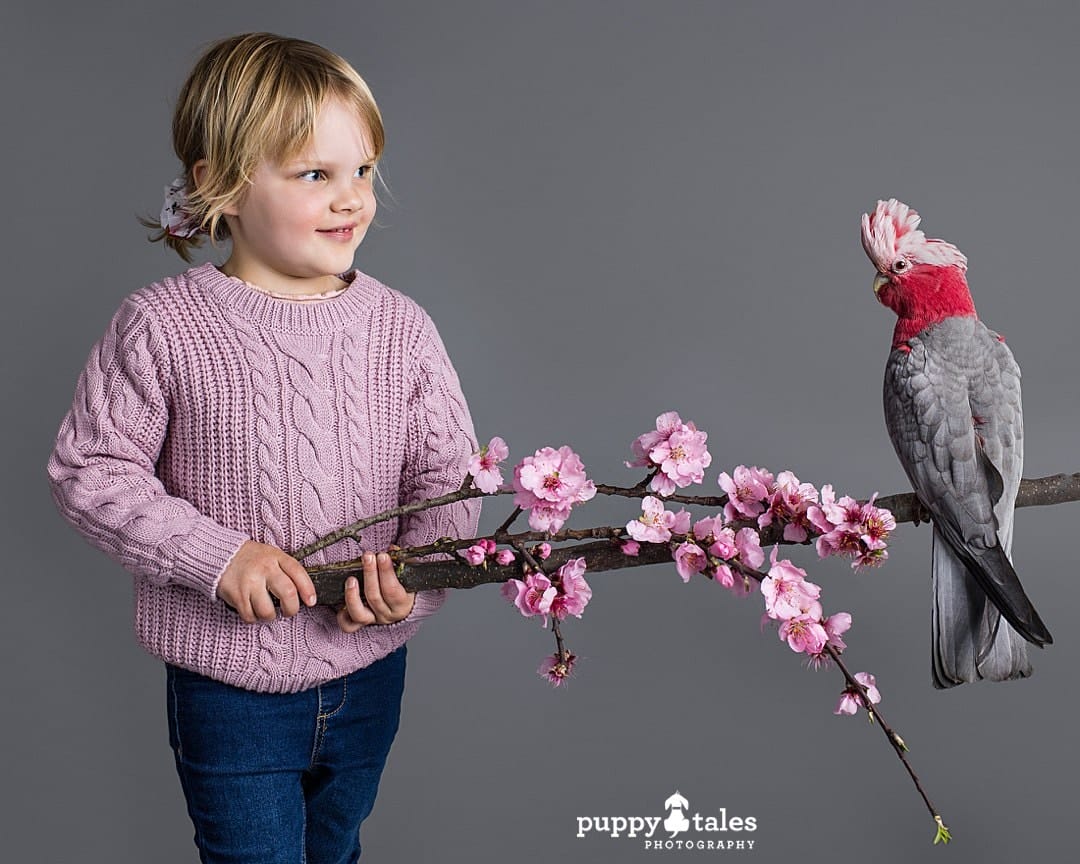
439	441
102	470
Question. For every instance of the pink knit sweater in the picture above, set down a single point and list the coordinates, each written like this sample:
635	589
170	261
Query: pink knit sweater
210	414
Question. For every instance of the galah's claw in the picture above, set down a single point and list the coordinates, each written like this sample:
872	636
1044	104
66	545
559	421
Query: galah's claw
921	514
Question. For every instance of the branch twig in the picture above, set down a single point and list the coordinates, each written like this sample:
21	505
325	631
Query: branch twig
897	742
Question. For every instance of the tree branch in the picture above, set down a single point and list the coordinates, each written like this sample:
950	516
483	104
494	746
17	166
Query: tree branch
605	553
1039	492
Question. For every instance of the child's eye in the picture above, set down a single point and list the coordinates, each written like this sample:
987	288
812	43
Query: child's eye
313	174
364	170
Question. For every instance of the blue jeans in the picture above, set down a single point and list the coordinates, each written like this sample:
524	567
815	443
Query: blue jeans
288	778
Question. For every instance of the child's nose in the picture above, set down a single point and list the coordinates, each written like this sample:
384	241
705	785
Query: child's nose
349	198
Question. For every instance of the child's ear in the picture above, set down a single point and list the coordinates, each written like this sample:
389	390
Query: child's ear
198	172
198	175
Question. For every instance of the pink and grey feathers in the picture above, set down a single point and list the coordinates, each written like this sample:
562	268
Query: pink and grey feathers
952	408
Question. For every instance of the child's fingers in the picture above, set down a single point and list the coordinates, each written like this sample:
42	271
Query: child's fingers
392	591
384	600
262	604
345	622
354	614
242	607
282	586
256	575
383	591
300	579
373	587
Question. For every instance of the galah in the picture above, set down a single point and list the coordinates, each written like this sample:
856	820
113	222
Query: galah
952	408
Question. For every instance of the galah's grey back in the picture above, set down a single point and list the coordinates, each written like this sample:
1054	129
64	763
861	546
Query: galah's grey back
953	411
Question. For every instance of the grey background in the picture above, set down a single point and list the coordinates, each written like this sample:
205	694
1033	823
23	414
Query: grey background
610	210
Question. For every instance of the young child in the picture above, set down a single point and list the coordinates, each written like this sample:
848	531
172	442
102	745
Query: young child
236	411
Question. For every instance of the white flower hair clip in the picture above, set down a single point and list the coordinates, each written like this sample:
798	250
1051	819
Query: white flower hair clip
175	219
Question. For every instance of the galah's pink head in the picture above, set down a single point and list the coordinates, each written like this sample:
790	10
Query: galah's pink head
921	280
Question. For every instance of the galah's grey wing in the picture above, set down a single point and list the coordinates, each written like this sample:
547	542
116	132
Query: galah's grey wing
929	415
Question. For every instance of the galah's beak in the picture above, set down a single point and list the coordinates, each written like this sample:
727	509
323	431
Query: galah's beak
880	281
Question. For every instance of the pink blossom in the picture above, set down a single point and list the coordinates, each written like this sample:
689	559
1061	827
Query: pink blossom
849	703
804	632
787	593
870	683
704	528
557	669
690	559
747	491
876	523
488	545
846	511
682	458
838	522
475	555
676	449
728	545
548	484
631	548
505	556
655	524
555	476
666	423
851	698
817	513
534	596
840	541
835	626
832	513
543	551
574	591
748	543
850	529
484	466
788	506
724	545
548	518
725	576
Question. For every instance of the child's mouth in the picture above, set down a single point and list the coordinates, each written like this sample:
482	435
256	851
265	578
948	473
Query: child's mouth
341	232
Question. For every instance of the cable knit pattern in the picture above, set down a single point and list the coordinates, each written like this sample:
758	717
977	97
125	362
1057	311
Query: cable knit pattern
210	413
264	385
356	431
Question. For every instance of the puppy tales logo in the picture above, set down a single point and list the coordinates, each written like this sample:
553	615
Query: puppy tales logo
711	832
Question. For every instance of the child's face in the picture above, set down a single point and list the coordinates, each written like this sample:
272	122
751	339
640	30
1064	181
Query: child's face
300	221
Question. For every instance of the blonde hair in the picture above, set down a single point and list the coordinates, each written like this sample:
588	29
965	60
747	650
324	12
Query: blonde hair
252	97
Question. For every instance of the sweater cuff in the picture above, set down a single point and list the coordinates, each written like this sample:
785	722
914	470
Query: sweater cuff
204	555
426	603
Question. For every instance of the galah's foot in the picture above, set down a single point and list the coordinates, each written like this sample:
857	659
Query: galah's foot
921	514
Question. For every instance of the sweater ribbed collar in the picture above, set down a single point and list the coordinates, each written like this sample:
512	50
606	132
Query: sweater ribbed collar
310	316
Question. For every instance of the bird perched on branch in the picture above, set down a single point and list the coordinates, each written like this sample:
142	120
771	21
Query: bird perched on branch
952	408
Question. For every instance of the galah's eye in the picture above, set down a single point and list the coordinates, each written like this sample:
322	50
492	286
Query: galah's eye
899	265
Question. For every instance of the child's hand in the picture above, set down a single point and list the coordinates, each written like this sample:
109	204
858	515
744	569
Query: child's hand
258	571
385	600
